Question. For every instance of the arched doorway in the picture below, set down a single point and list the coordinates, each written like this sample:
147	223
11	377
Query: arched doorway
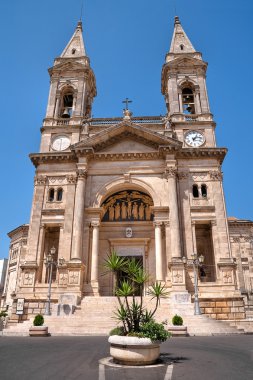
126	227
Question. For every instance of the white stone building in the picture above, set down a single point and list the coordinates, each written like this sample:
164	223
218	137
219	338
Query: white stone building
148	187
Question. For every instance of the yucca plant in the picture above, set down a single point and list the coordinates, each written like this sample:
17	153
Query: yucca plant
135	318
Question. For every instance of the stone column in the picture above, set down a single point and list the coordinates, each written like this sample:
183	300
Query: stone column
94	257
56	112
76	252
197	102
171	173
158	251
194	242
35	220
180	101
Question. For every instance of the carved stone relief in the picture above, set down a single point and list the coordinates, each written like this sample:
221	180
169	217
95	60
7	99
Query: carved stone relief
177	276
127	205
73	277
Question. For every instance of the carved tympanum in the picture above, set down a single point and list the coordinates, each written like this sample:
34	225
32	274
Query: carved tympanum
127	205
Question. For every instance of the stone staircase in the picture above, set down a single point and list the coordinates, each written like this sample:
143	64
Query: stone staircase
95	317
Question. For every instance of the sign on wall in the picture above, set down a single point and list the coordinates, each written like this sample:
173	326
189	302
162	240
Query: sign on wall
20	306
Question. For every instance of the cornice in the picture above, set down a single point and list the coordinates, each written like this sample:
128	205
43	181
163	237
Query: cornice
52	157
218	153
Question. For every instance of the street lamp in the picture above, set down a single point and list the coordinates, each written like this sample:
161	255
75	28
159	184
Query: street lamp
197	262
50	262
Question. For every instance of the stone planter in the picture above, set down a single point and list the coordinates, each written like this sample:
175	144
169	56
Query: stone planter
38	331
178	330
129	350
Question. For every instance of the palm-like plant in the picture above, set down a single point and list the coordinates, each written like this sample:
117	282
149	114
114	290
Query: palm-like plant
132	314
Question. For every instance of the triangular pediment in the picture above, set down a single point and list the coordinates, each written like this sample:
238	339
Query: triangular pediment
69	65
185	61
126	137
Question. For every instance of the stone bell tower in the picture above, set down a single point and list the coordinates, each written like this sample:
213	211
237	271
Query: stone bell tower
184	89
72	89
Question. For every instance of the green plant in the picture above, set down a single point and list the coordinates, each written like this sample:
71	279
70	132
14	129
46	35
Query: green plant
177	320
38	320
131	313
117	331
3	314
154	331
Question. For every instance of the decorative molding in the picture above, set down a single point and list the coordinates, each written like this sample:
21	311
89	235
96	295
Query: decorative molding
216	175
199	176
182	175
40	180
57	180
71	179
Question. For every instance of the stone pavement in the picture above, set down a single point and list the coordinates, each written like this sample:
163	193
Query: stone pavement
74	358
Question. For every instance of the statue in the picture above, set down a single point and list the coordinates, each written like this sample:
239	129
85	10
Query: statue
141	211
111	213
117	211
148	212
123	211
129	208
135	210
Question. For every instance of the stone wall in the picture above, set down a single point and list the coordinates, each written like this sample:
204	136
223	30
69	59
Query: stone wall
224	309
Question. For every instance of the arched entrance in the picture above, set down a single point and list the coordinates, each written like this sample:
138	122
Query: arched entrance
126	227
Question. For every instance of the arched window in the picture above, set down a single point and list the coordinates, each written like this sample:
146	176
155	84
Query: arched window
66	104
195	191
59	194
188	101
204	191
182	47
51	195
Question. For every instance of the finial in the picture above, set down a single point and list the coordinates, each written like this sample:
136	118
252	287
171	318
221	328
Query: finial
80	25
127	114
177	21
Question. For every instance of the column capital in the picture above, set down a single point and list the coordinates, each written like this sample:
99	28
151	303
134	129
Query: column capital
170	172
95	224
81	173
158	223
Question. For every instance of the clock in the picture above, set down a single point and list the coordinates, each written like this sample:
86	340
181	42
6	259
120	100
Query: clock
61	143
194	139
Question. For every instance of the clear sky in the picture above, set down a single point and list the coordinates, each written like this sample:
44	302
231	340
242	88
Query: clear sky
126	42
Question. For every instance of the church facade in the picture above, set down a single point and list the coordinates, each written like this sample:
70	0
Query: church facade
146	187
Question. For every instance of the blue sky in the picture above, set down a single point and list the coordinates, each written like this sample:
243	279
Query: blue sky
126	42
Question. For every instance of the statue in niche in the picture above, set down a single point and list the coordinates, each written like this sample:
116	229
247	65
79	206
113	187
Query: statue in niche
141	211
123	211
148	212
117	211
111	213
129	208
135	210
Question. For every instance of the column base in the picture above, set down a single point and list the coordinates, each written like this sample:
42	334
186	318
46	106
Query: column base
92	289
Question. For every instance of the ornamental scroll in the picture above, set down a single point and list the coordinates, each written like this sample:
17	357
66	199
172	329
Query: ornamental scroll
127	206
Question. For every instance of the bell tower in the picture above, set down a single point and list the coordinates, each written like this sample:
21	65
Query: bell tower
184	88
72	90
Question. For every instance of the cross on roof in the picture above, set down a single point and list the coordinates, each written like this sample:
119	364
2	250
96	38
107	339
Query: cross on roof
127	101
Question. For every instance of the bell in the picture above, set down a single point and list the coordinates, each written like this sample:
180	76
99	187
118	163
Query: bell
189	109
65	114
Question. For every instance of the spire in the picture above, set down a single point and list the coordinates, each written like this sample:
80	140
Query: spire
75	47
180	42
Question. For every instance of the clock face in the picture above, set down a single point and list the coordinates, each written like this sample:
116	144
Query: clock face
194	139
61	143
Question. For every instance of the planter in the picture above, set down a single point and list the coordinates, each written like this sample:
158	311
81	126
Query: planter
178	330
129	350
38	331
